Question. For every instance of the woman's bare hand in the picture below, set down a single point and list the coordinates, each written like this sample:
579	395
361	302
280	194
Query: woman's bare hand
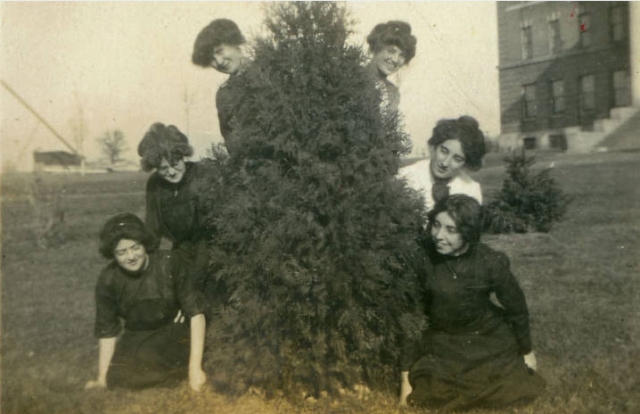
95	384
531	361
197	379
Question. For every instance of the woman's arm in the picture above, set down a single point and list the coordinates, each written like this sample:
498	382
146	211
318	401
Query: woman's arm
197	376
107	347
512	298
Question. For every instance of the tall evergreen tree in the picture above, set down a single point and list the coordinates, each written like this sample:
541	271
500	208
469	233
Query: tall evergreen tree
311	225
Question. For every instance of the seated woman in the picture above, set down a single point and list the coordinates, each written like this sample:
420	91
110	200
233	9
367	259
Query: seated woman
219	45
392	46
456	145
146	289
474	353
173	210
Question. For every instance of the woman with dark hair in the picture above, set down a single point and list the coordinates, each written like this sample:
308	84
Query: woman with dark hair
172	198
219	45
456	146
475	352
392	46
146	289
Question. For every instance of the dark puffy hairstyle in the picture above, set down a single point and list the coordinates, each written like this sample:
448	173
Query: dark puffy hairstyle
466	130
160	142
125	226
393	33
465	211
213	35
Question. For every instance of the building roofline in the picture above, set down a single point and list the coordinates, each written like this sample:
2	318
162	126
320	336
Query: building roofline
523	5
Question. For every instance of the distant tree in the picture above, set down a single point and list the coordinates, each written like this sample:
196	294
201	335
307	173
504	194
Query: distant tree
312	227
113	144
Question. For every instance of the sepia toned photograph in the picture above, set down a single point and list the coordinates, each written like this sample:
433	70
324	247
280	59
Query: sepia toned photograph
319	207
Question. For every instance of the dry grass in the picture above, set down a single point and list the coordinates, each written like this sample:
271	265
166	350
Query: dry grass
581	282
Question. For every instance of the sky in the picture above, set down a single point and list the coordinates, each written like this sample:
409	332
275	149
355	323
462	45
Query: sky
124	65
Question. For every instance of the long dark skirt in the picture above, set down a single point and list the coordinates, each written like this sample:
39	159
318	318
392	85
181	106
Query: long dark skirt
468	370
157	358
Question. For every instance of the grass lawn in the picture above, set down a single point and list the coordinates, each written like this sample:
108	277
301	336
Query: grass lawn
582	283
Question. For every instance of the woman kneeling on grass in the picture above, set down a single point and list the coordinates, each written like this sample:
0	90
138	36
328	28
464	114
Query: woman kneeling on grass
474	353
147	289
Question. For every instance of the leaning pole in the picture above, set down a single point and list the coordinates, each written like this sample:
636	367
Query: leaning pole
37	115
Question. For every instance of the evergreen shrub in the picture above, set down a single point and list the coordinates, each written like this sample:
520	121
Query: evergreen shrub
528	201
311	229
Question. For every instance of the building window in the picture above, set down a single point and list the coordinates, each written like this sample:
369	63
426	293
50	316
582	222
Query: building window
529	101
587	93
529	143
558	142
585	29
527	41
616	22
621	88
557	96
555	40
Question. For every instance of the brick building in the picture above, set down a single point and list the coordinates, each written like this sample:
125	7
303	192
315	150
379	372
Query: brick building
566	76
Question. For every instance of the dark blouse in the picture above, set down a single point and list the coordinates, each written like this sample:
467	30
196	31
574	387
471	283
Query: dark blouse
229	97
457	295
172	209
389	93
147	300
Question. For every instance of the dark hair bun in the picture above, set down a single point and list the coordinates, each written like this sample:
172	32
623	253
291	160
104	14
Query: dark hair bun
219	31
125	226
162	141
396	33
465	129
470	121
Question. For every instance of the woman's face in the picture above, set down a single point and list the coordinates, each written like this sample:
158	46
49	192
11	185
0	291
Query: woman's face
447	159
389	60
227	58
130	255
446	237
171	173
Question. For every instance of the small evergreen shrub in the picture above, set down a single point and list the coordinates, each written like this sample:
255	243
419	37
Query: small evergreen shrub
528	201
311	228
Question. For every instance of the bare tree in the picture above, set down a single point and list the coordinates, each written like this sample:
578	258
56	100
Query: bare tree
113	144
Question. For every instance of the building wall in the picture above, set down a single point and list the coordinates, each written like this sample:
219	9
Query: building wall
568	63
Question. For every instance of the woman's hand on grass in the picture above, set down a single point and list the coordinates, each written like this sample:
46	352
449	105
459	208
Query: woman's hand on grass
405	388
197	378
95	384
531	361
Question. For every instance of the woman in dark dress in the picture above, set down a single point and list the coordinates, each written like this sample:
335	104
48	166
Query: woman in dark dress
173	210
475	353
392	46
219	46
146	289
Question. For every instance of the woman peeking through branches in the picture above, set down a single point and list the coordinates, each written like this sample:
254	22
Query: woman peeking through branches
150	291
456	147
219	45
392	46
